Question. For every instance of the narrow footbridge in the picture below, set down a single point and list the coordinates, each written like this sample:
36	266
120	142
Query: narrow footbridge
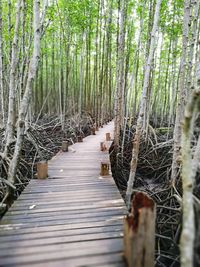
73	218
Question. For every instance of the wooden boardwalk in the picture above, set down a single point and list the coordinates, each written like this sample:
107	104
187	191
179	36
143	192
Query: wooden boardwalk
73	218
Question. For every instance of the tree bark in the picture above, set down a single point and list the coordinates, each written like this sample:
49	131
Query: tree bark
119	113
23	109
12	82
188	177
2	109
181	94
141	121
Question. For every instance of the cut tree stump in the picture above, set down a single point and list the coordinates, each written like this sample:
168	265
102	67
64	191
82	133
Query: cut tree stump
64	146
92	131
42	170
79	139
108	137
139	232
104	169
102	146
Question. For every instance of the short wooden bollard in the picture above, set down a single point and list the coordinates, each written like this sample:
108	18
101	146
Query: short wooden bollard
104	169
97	128
79	139
64	147
42	169
92	131
139	232
108	137
102	146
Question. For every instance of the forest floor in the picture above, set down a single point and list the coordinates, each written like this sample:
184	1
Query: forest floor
153	177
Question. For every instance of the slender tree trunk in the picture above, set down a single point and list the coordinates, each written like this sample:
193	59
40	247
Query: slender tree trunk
23	109
181	96
119	116
190	81
81	93
2	109
188	177
12	83
141	122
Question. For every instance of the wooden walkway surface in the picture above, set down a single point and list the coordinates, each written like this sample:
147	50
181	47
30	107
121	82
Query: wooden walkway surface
73	218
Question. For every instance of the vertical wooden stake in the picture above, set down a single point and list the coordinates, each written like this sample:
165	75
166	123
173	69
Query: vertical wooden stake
42	170
92	131
104	169
64	146
139	232
79	139
102	146
108	137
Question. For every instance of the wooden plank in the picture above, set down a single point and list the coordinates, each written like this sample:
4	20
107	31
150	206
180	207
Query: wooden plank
61	233
71	182
115	260
39	204
69	188
61	239
75	195
23	205
72	217
60	251
56	210
17	225
9	231
46	213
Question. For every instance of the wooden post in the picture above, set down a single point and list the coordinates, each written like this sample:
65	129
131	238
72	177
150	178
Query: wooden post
42	169
102	146
92	131
97	128
64	147
104	169
139	232
108	137
79	139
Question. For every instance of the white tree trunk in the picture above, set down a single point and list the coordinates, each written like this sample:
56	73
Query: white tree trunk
119	112
2	109
12	82
141	121
181	95
28	91
188	177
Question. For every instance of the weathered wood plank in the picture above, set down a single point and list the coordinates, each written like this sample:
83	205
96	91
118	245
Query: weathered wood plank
61	233
20	205
57	210
62	239
72	217
115	260
9	231
46	214
59	222
61	251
